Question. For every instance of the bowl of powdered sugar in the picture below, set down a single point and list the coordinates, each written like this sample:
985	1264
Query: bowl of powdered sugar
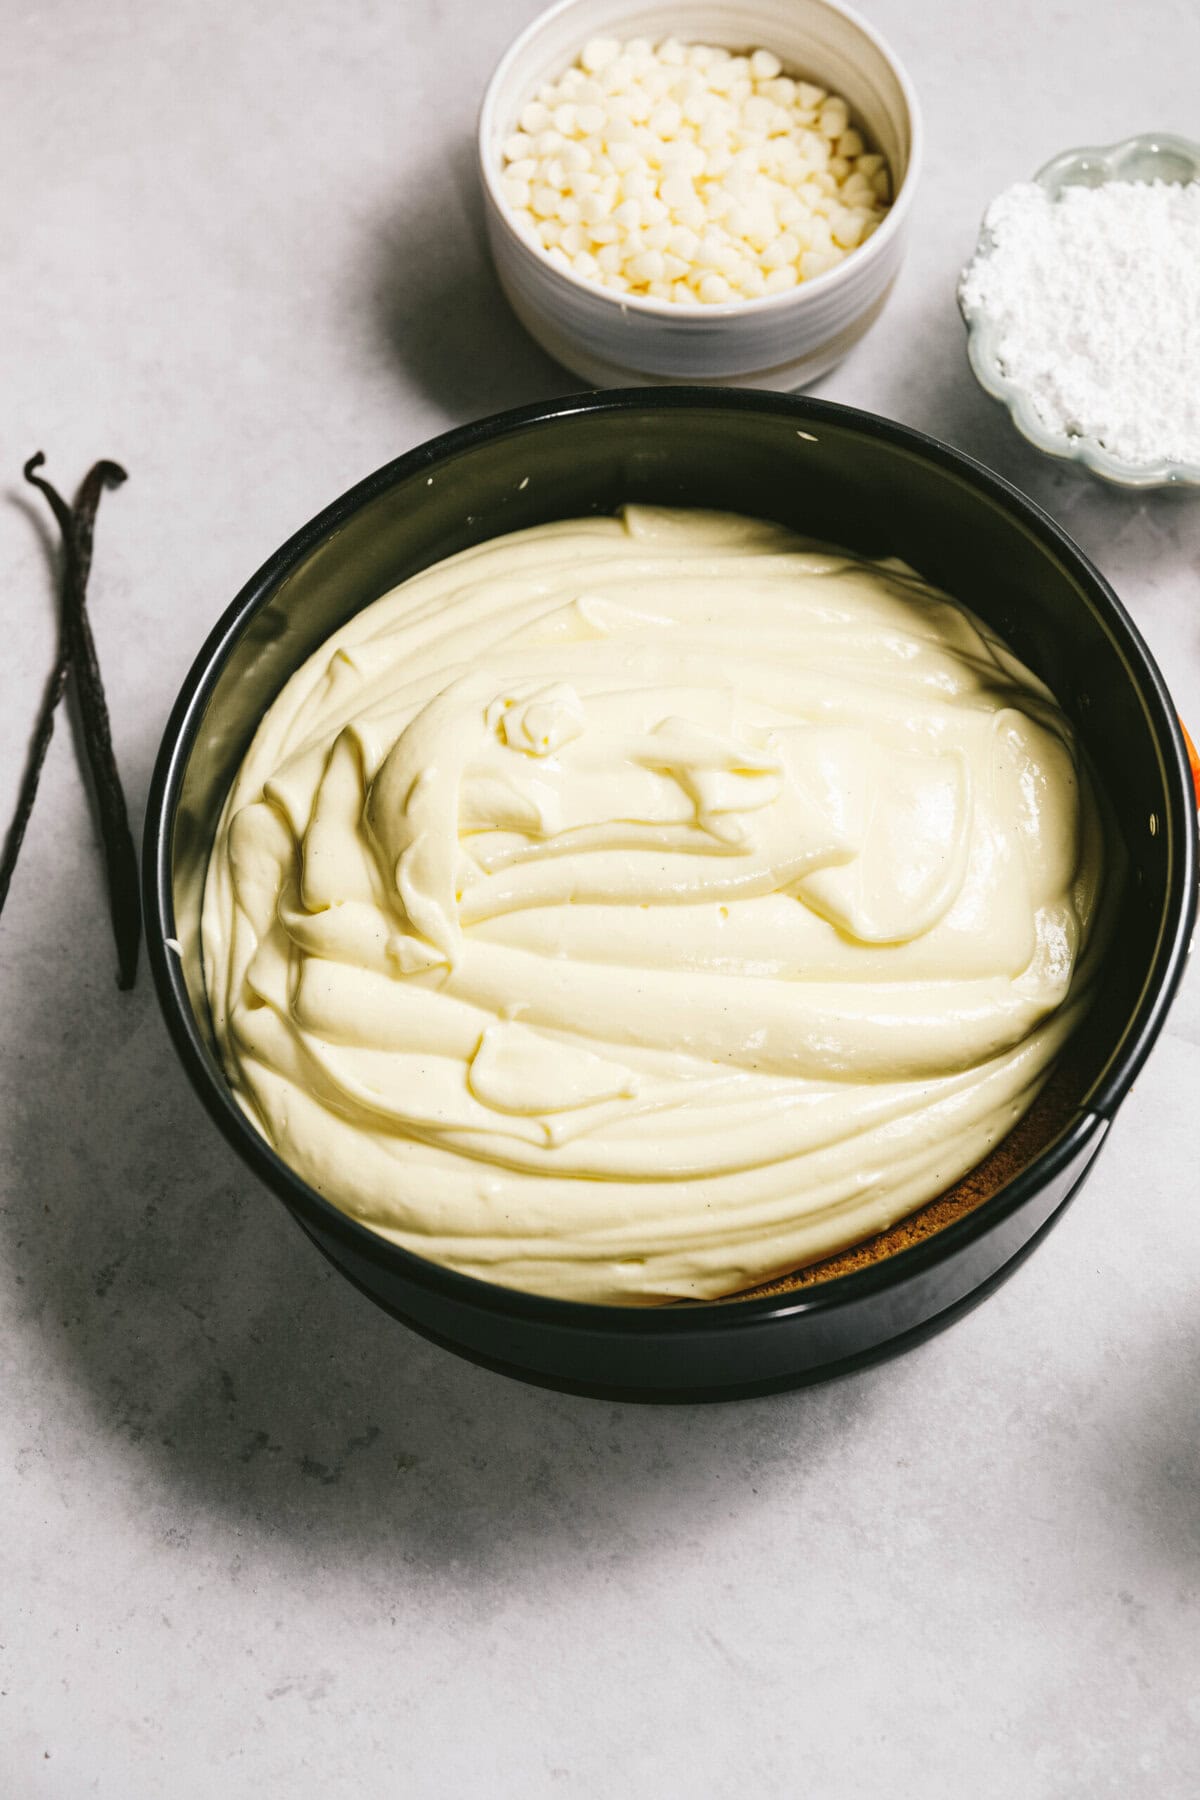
1082	306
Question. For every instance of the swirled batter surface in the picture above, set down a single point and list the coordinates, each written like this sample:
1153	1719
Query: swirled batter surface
638	908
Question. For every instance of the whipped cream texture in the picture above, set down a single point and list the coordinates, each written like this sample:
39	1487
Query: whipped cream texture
639	908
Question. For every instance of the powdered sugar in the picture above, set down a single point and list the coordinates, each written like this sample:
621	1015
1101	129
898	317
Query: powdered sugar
1095	300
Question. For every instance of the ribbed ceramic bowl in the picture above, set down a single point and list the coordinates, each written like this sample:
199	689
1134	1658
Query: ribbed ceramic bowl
1155	156
827	471
783	341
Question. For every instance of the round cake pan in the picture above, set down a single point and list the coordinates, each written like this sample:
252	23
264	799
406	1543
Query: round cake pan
829	472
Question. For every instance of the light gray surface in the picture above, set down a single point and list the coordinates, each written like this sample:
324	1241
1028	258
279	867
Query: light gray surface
258	1539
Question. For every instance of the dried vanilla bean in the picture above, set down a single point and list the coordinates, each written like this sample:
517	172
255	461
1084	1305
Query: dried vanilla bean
86	502
77	656
27	794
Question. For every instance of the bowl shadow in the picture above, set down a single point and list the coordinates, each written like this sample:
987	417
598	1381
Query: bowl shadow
940	395
441	315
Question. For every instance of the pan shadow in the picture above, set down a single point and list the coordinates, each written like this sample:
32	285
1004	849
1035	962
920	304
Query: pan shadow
230	1372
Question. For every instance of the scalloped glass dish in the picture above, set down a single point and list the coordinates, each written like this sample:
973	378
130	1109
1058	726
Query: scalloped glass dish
1154	156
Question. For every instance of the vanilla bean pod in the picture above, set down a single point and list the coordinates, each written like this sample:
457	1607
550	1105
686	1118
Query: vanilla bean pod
77	655
86	502
42	733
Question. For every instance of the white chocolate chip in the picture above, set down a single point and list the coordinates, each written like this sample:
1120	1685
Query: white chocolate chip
687	174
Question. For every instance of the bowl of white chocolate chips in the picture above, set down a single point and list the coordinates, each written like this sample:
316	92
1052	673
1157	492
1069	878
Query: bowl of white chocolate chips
682	193
671	888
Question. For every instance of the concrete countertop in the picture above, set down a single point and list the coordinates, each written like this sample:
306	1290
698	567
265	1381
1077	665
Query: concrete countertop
259	1539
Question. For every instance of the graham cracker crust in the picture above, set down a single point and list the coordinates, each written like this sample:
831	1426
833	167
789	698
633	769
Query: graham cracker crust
1033	1133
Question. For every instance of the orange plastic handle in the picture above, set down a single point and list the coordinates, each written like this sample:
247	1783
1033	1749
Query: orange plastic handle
1193	759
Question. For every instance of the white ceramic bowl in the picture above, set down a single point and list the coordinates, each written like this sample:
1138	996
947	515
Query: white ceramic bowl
784	341
1153	156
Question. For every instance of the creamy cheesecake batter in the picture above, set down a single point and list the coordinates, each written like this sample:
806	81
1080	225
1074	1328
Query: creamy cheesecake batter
639	908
